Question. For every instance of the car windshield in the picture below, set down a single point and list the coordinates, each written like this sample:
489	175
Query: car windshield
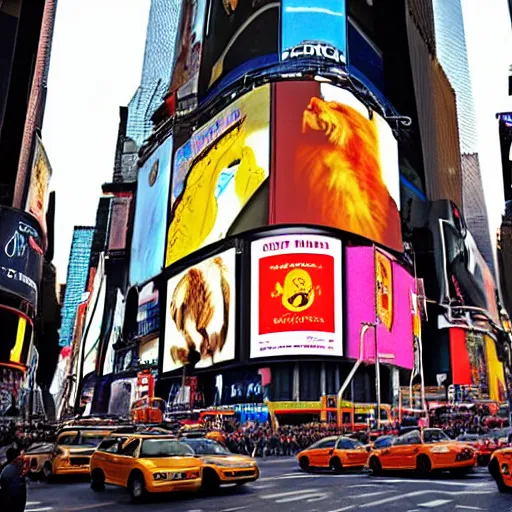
207	447
468	437
434	436
91	439
165	448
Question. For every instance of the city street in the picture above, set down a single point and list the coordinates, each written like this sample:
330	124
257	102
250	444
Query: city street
282	487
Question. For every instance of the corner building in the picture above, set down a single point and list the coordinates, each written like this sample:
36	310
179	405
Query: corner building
273	241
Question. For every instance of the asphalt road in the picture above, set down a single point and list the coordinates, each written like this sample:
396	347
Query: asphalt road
282	487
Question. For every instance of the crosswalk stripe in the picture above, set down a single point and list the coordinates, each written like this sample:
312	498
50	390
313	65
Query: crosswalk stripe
284	494
350	507
369	494
42	509
437	482
289	499
434	503
466	507
32	503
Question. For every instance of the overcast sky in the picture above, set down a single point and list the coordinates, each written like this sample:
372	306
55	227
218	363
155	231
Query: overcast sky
97	55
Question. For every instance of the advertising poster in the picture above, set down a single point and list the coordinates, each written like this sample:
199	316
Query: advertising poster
21	254
296	296
395	346
316	28
123	393
189	47
384	293
200	313
497	387
115	333
148	242
242	35
16	338
119	218
39	191
216	173
334	165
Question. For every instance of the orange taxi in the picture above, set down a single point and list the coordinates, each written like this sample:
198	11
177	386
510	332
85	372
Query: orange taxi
335	453
424	451
145	463
500	469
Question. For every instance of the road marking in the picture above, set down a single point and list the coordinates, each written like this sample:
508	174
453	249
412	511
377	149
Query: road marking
87	507
438	482
369	494
42	509
33	503
260	487
284	494
350	507
364	485
233	509
312	497
465	507
420	493
434	503
414	510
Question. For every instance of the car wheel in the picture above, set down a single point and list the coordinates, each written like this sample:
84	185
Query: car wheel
423	465
48	471
304	464
336	465
97	480
211	482
136	487
494	470
375	466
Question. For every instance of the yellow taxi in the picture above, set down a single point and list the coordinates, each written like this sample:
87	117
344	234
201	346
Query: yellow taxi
424	451
500	468
220	466
335	453
69	455
145	463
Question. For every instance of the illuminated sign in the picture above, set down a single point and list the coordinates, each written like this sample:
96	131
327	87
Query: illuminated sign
313	49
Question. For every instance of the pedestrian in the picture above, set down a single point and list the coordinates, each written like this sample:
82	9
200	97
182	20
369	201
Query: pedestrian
13	489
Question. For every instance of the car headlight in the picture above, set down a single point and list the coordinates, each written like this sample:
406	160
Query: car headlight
505	469
160	476
440	449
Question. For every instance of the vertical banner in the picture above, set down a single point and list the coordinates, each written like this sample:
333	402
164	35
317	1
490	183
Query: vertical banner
384	291
317	28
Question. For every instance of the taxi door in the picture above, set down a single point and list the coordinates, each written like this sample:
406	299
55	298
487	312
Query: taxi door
321	455
354	453
124	461
405	456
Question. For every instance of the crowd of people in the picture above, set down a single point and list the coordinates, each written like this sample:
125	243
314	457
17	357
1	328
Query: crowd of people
21	435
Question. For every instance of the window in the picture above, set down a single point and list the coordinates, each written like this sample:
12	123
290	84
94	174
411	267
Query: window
112	445
129	449
324	443
207	447
69	439
434	436
347	444
409	438
152	448
346	418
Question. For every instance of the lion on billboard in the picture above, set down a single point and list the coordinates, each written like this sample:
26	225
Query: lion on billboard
340	161
198	315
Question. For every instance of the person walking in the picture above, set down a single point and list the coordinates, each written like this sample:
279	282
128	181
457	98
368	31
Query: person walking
13	489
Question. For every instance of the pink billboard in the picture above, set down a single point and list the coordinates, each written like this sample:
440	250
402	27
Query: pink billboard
395	344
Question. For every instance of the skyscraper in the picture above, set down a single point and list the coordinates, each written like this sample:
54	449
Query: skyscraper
78	271
157	67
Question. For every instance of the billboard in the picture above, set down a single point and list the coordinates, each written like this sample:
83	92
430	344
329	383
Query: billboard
16	338
200	313
318	29
115	333
296	296
148	242
119	219
189	47
336	164
241	36
39	192
394	343
216	172
21	254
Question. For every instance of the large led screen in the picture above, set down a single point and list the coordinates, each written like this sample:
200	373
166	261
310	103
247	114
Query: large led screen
16	338
200	313
148	243
296	296
316	28
39	192
382	292
189	47
216	172
242	35
336	164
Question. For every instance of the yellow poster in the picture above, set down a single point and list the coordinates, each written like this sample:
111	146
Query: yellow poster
495	372
384	282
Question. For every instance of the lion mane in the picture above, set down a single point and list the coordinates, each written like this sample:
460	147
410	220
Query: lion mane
339	161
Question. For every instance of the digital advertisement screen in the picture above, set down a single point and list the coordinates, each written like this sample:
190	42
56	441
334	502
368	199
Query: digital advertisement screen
16	338
383	296
200	313
334	166
148	242
39	190
317	28
216	173
296	296
21	254
189	47
242	35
